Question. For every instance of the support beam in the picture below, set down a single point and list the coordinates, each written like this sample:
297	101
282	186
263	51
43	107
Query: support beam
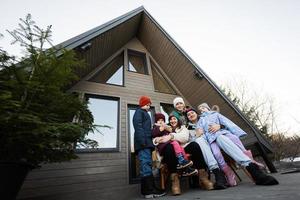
264	154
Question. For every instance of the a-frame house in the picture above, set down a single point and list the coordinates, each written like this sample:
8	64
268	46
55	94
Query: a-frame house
127	57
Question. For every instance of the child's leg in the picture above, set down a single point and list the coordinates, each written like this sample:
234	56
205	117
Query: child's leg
207	153
232	150
145	158
183	162
218	155
178	149
230	176
236	140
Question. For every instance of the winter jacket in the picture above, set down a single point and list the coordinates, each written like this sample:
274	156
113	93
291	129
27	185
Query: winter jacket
192	129
142	130
212	117
182	135
157	133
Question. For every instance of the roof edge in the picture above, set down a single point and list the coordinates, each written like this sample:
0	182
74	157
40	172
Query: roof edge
88	35
257	133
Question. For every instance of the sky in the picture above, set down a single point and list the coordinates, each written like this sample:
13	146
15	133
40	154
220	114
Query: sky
257	41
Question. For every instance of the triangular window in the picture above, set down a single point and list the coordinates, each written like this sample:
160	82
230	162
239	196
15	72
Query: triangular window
137	62
160	83
112	73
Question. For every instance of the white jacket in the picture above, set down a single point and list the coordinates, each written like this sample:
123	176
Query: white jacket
182	135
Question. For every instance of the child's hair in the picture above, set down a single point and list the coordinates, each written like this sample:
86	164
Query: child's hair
179	123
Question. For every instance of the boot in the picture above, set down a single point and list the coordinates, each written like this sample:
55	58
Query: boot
230	176
259	177
249	154
148	188
175	184
204	182
220	183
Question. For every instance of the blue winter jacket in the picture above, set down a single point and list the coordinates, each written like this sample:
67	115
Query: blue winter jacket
212	117
142	130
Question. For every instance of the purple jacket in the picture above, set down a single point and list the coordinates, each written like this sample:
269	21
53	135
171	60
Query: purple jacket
157	133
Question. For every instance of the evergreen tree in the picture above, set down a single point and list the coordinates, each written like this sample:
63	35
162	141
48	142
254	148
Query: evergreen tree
40	121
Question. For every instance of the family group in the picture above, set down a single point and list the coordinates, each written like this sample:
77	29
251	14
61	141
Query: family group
191	144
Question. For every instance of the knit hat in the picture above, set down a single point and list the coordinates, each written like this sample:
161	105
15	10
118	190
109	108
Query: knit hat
144	100
190	109
205	105
179	123
177	100
158	116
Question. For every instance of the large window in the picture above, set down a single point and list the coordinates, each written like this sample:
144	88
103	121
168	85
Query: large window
112	73
105	111
137	62
134	166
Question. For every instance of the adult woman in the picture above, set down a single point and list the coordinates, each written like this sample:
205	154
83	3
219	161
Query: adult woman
226	139
210	159
179	111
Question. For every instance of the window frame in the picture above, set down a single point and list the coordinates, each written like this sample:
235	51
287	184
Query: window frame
105	65
140	54
104	150
156	68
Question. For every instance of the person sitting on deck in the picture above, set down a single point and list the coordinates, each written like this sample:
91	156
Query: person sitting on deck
228	140
160	129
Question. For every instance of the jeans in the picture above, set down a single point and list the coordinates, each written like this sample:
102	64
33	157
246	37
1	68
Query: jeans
233	150
207	153
145	158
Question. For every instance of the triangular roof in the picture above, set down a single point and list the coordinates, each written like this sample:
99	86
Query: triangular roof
111	36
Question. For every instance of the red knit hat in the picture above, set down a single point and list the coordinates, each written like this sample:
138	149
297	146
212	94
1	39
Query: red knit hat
158	116
144	100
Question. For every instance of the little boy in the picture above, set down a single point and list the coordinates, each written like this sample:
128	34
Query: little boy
143	147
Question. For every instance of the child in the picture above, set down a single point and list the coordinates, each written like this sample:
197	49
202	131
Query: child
228	140
143	147
161	129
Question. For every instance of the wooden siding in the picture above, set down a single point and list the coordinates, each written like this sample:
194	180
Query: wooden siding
98	175
107	44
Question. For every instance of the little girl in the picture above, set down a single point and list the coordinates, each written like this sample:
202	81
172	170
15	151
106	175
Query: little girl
161	129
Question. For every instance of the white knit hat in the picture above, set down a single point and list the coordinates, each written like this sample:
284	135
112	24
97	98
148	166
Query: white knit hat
205	105
177	100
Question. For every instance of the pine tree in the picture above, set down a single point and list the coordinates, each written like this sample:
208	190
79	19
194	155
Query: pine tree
40	121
